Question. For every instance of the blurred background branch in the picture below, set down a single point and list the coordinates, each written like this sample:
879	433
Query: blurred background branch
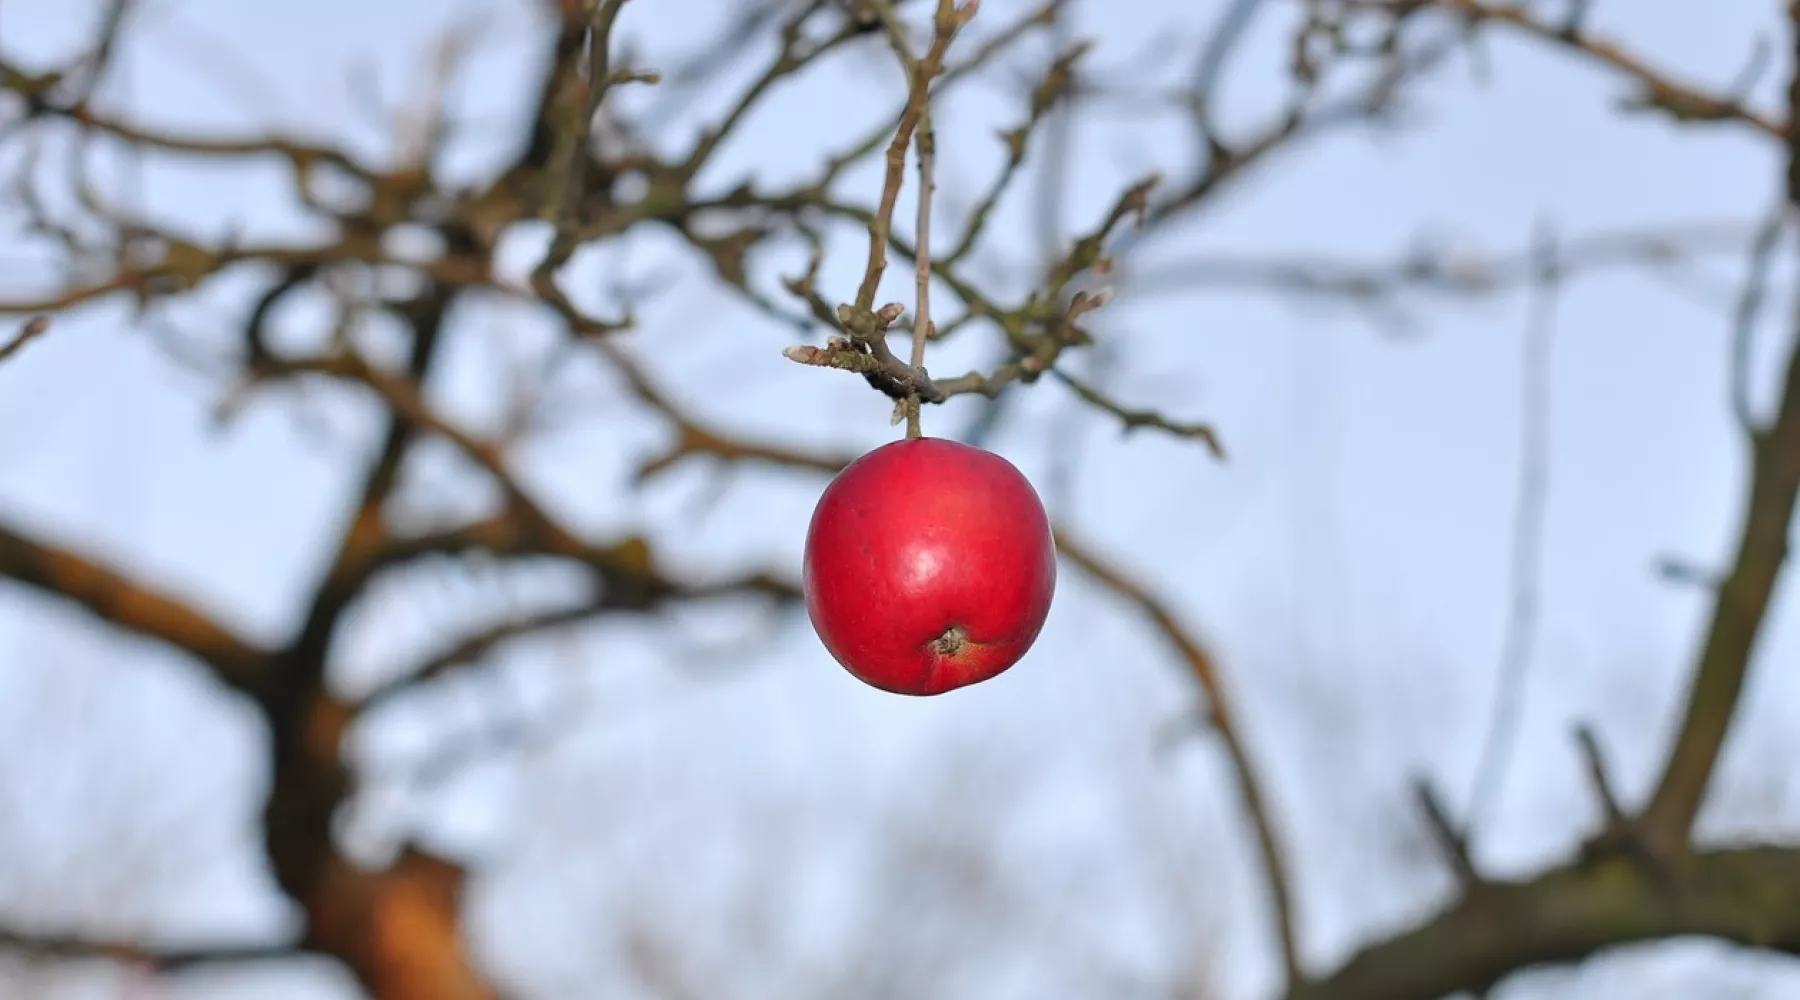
464	425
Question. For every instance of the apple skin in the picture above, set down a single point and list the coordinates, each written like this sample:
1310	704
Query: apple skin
930	566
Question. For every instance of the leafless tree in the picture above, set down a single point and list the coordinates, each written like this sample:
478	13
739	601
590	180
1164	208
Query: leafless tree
361	304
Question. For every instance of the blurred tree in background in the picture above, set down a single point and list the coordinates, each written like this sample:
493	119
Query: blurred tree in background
403	466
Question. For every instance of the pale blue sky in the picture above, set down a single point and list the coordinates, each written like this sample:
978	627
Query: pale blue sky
1349	562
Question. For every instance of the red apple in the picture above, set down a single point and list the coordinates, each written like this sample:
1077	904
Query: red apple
929	566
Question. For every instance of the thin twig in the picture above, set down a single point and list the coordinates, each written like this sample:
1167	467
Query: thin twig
1224	723
926	147
1054	193
1599	777
1527	538
949	19
1747	312
866	351
1657	89
1452	842
1220	44
1131	418
160	959
33	327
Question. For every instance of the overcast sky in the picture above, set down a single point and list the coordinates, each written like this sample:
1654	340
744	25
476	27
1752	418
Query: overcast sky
1350	561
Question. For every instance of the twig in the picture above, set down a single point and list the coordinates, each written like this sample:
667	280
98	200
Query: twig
866	350
1747	312
1527	539
1221	42
949	19
1132	419
927	150
1047	97
476	645
160	959
583	87
1429	272
1219	713
1452	842
1747	590
1658	90
1050	101
1599	778
33	328
1620	835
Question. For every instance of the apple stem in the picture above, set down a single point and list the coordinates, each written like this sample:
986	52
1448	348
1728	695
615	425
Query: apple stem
925	143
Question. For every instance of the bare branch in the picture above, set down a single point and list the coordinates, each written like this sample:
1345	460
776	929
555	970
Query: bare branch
33	328
1615	823
926	151
1520	633
1745	592
1750	897
1431	271
1657	90
1748	312
1451	841
1219	714
949	20
1132	419
133	606
156	958
473	647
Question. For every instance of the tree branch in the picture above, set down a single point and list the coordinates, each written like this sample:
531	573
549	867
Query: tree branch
1219	713
477	644
1526	555
1657	89
158	958
1749	896
134	607
1741	601
32	329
